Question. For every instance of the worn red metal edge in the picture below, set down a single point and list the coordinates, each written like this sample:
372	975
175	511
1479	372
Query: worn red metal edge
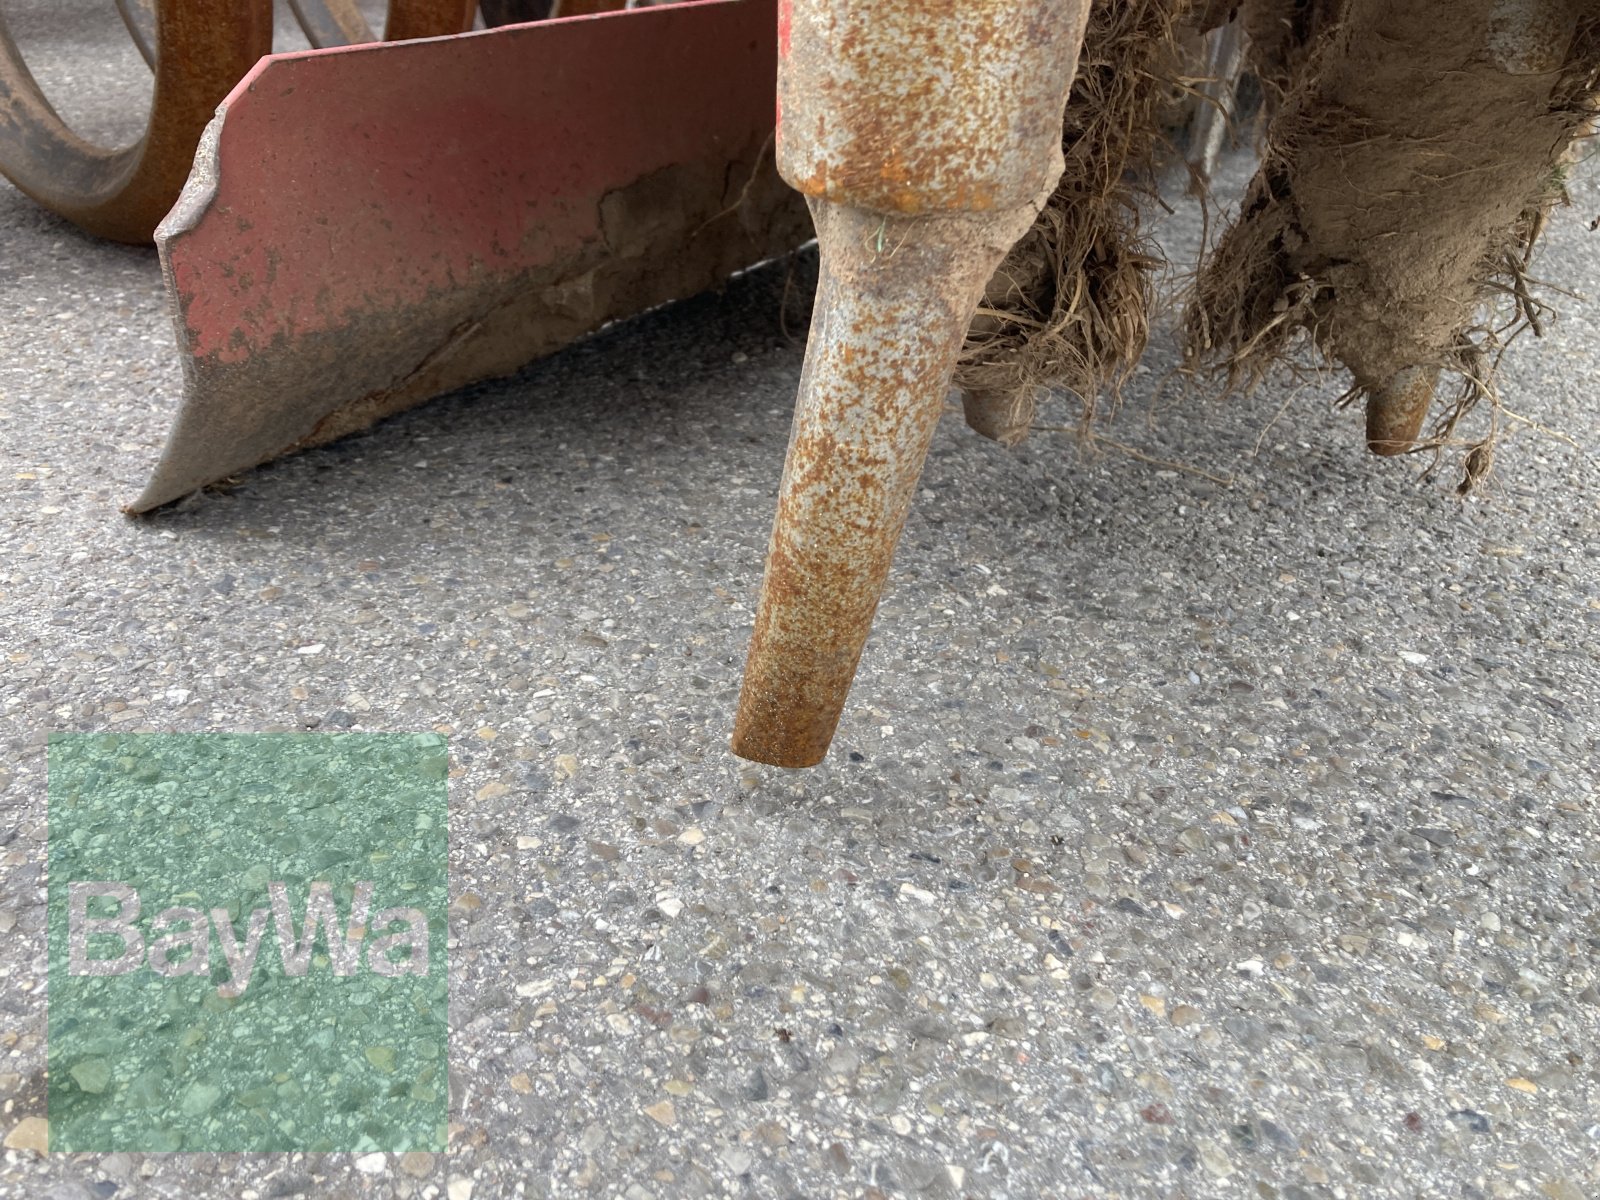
369	226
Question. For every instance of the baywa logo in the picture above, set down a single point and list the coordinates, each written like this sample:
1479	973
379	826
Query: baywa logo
247	942
184	947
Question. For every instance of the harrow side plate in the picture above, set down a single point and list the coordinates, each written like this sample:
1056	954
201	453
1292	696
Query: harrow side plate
370	226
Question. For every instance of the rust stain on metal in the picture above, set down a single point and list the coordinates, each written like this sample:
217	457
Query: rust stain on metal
427	18
1396	413
852	466
925	137
919	106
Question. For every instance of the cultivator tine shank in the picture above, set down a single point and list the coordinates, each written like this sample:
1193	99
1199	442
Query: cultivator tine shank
1397	412
330	23
1214	101
926	138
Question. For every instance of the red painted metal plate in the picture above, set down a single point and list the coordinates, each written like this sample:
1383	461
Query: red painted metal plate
369	226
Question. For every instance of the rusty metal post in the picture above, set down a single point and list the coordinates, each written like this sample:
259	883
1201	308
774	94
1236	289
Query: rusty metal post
410	19
201	48
1397	412
1214	102
926	136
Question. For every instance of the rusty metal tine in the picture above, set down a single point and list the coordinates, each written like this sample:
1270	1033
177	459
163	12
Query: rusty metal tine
926	138
332	23
1396	413
140	18
410	19
202	48
893	303
1213	112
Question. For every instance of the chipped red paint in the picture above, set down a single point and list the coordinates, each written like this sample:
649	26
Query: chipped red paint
198	50
434	186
